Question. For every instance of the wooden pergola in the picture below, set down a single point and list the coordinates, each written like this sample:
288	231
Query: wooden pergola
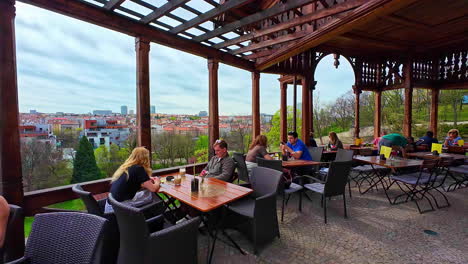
391	44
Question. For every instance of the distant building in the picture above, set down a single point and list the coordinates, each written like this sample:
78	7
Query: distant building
102	112
32	111
202	114
105	132
41	131
266	118
132	112
153	109
124	110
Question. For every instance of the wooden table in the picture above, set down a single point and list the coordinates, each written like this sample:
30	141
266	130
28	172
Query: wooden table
391	164
213	193
299	163
429	155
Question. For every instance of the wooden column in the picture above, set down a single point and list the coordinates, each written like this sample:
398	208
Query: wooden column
306	81
213	123
357	92
377	113
295	103
142	47
11	186
408	70
434	110
255	104
284	112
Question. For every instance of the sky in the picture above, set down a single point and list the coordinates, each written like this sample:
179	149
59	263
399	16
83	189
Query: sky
67	65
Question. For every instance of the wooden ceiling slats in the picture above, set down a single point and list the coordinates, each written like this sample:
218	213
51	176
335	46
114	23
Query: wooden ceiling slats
275	10
209	15
294	22
163	10
112	4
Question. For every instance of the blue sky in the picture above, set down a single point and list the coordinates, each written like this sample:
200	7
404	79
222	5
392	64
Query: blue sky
68	65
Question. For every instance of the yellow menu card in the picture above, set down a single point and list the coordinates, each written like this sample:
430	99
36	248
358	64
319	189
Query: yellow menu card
461	142
386	151
437	147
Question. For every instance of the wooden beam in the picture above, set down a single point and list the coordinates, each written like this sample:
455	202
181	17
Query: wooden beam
11	179
306	81
142	47
377	112
408	84
275	10
213	121
284	112
271	42
307	18
163	10
357	92
258	54
434	110
255	104
111	20
360	16
113	4
324	3
209	15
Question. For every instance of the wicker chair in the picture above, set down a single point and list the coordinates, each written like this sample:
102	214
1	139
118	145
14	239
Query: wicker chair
63	238
242	172
16	218
256	214
175	244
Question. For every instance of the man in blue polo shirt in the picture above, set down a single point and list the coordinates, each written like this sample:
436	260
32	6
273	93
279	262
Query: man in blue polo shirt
295	147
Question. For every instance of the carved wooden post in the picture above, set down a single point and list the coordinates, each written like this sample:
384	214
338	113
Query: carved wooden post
255	104
11	186
408	70
213	122
142	47
377	112
295	103
284	112
434	110
357	92
306	81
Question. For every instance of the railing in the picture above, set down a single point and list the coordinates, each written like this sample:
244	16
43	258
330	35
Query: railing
36	201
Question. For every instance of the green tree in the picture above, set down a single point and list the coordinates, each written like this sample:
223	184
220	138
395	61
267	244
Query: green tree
84	165
274	133
202	142
109	159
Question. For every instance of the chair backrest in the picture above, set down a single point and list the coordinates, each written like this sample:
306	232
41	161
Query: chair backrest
344	155
91	204
337	177
272	164
265	180
65	238
242	171
16	218
316	153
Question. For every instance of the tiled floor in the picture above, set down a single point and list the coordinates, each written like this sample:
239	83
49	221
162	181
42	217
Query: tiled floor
375	232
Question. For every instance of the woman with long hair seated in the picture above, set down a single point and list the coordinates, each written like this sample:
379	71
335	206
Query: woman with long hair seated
334	143
257	149
132	176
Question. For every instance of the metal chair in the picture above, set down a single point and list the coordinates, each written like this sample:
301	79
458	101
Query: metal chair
459	174
415	186
175	244
257	213
242	172
286	192
63	238
335	183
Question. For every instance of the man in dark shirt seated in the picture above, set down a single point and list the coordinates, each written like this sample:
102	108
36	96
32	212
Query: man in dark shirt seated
428	139
312	141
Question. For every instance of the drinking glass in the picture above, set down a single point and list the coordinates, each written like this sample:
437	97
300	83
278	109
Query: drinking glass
182	172
177	180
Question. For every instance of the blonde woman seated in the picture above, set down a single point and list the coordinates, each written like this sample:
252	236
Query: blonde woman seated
131	177
334	143
452	138
257	149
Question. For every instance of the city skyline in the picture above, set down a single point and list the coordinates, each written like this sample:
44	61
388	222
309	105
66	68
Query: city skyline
89	67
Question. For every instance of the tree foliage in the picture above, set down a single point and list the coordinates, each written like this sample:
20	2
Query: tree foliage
84	165
274	134
109	159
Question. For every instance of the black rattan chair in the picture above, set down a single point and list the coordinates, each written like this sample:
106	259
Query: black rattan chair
174	244
334	185
286	192
256	214
63	238
16	217
242	172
